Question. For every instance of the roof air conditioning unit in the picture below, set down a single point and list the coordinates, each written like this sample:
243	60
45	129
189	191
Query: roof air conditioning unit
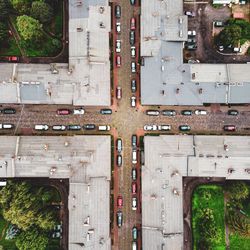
102	25
79	29
101	9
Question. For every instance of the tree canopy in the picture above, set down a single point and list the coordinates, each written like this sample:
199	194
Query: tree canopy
21	6
230	35
4	9
41	11
3	32
29	28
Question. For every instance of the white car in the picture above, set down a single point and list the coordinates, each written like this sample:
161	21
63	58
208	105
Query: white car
133	51
191	33
164	127
134	203
133	67
80	111
118	46
150	127
133	101
6	126
118	27
200	112
59	127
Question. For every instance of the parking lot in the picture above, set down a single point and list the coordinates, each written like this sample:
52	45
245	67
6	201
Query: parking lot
202	23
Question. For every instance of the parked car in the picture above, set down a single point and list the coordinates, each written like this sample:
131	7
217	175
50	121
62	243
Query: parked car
191	46
13	59
229	128
63	111
134	174
191	33
119	201
106	111
104	128
134	233
189	13
132	2
152	112
237	50
8	111
133	67
132	23
119	145
220	47
219	24
118	11
184	128
168	112
134	245
6	126
133	101
118	27
118	61
134	156
134	187
134	141
200	112
133	85
164	127
119	160
119	218
186	112
191	41
132	38
133	51
89	126
134	203
119	92
118	46
74	127
41	127
79	111
58	127
232	112
150	127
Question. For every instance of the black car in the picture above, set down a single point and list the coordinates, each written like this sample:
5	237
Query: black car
106	111
74	127
89	126
133	85
184	128
168	112
132	38
119	218
118	11
132	2
9	111
233	112
186	112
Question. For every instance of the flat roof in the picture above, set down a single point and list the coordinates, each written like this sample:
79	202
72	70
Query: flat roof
86	161
166	80
85	80
169	158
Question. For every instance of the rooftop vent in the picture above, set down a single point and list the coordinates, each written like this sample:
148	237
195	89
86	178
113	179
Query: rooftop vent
79	29
101	9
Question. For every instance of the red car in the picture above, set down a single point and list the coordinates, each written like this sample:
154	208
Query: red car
119	201
229	128
63	111
118	61
134	187
13	59
132	23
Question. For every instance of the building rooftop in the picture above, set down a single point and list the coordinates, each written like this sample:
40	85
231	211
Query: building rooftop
85	80
169	158
166	80
86	161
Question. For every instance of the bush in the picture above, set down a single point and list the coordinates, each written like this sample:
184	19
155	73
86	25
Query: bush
42	12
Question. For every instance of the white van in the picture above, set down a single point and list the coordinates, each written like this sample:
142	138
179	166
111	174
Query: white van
104	128
134	245
6	126
134	156
41	127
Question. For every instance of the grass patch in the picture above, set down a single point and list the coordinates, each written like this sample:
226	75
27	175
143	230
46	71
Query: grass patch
238	242
209	196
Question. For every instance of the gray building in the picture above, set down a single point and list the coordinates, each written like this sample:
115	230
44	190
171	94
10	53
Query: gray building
169	158
166	80
85	80
86	162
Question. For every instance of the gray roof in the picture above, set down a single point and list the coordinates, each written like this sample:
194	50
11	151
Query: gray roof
166	80
84	81
86	161
167	159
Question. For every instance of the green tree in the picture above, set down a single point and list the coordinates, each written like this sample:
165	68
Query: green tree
4	9
230	35
3	32
21	6
41	11
29	28
237	190
32	240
